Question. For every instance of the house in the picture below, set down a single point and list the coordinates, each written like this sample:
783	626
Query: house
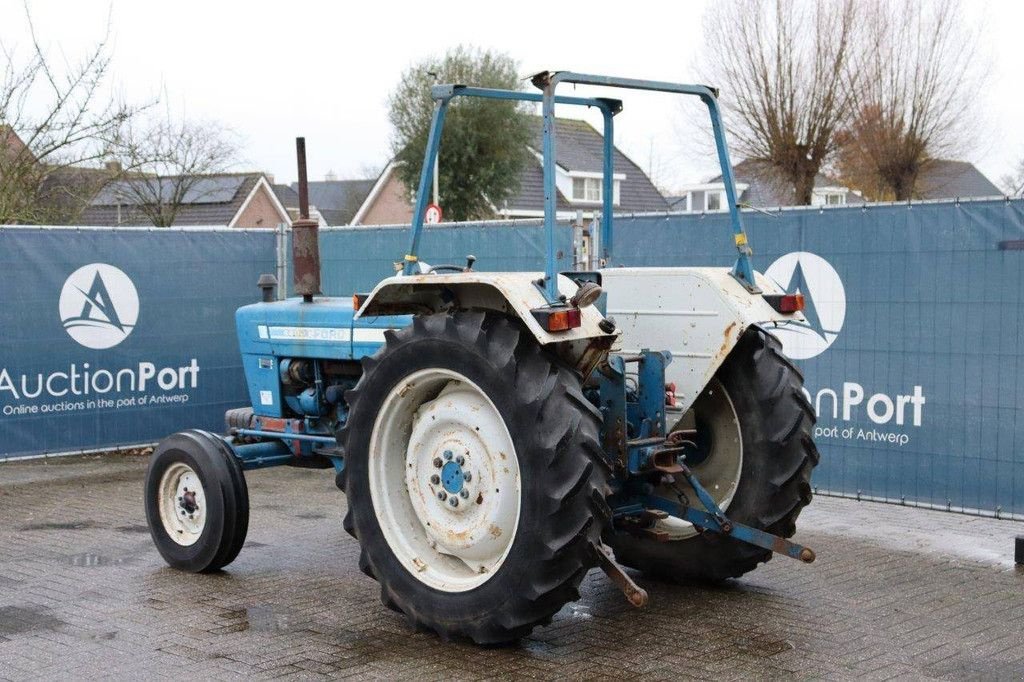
389	201
759	186
289	198
579	168
579	150
108	196
338	200
47	193
331	201
225	199
949	179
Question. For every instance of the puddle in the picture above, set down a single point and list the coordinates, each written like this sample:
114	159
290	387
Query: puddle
89	560
68	525
15	620
264	618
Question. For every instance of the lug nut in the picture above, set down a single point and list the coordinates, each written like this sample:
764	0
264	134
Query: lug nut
442	495
464	493
448	454
460	460
467	477
435	479
437	462
453	501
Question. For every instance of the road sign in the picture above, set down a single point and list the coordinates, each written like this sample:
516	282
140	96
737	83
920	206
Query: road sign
432	214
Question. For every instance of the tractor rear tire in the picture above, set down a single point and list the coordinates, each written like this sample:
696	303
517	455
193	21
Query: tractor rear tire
474	477
775	423
197	502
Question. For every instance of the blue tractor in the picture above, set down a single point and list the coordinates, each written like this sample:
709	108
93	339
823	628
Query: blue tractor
499	434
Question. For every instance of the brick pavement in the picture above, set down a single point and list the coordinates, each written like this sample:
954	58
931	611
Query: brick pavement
896	592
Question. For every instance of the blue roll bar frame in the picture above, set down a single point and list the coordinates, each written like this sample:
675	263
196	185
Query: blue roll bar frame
547	82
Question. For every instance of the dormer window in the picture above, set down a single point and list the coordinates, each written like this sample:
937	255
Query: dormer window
586	189
714	200
829	196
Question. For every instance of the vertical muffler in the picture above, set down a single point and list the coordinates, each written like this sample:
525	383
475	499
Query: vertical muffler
305	237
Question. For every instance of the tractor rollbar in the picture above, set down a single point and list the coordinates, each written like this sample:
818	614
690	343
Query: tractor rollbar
547	81
443	95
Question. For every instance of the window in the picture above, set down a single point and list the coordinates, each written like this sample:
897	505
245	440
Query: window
586	189
714	201
835	199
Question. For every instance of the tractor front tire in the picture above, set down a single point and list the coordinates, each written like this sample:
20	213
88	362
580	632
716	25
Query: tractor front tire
474	477
774	424
197	502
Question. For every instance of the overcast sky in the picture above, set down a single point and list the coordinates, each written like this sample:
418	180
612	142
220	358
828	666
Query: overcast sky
275	70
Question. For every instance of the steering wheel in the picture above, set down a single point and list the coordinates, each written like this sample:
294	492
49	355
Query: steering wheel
455	268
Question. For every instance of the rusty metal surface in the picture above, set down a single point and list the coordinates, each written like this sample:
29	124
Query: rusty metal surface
84	593
300	156
306	257
635	595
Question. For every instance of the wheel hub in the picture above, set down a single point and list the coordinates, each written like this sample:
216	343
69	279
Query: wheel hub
182	503
715	455
452	476
450	508
188	502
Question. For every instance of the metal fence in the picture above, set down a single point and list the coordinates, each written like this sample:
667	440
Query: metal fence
912	355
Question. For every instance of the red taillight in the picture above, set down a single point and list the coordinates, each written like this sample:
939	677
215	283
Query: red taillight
791	303
786	303
558	319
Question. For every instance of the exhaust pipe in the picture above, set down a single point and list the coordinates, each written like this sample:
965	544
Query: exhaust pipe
305	237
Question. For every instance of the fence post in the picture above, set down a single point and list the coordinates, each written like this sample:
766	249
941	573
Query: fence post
281	255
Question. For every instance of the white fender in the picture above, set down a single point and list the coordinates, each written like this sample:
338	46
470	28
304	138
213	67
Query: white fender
698	314
511	293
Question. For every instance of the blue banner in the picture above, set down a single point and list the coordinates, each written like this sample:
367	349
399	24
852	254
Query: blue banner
118	337
912	352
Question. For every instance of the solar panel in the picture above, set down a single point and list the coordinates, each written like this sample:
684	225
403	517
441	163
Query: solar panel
211	190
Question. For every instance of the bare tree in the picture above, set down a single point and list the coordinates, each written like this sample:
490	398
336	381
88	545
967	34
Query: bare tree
784	68
914	100
167	165
1013	183
54	117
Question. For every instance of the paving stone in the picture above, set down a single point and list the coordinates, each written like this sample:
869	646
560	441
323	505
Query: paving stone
896	592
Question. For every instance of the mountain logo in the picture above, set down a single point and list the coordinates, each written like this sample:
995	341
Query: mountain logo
98	306
824	303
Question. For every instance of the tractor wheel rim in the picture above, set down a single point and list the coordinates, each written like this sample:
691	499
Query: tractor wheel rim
719	473
444	480
182	504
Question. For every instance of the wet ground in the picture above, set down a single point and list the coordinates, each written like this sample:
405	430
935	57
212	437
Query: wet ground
83	593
